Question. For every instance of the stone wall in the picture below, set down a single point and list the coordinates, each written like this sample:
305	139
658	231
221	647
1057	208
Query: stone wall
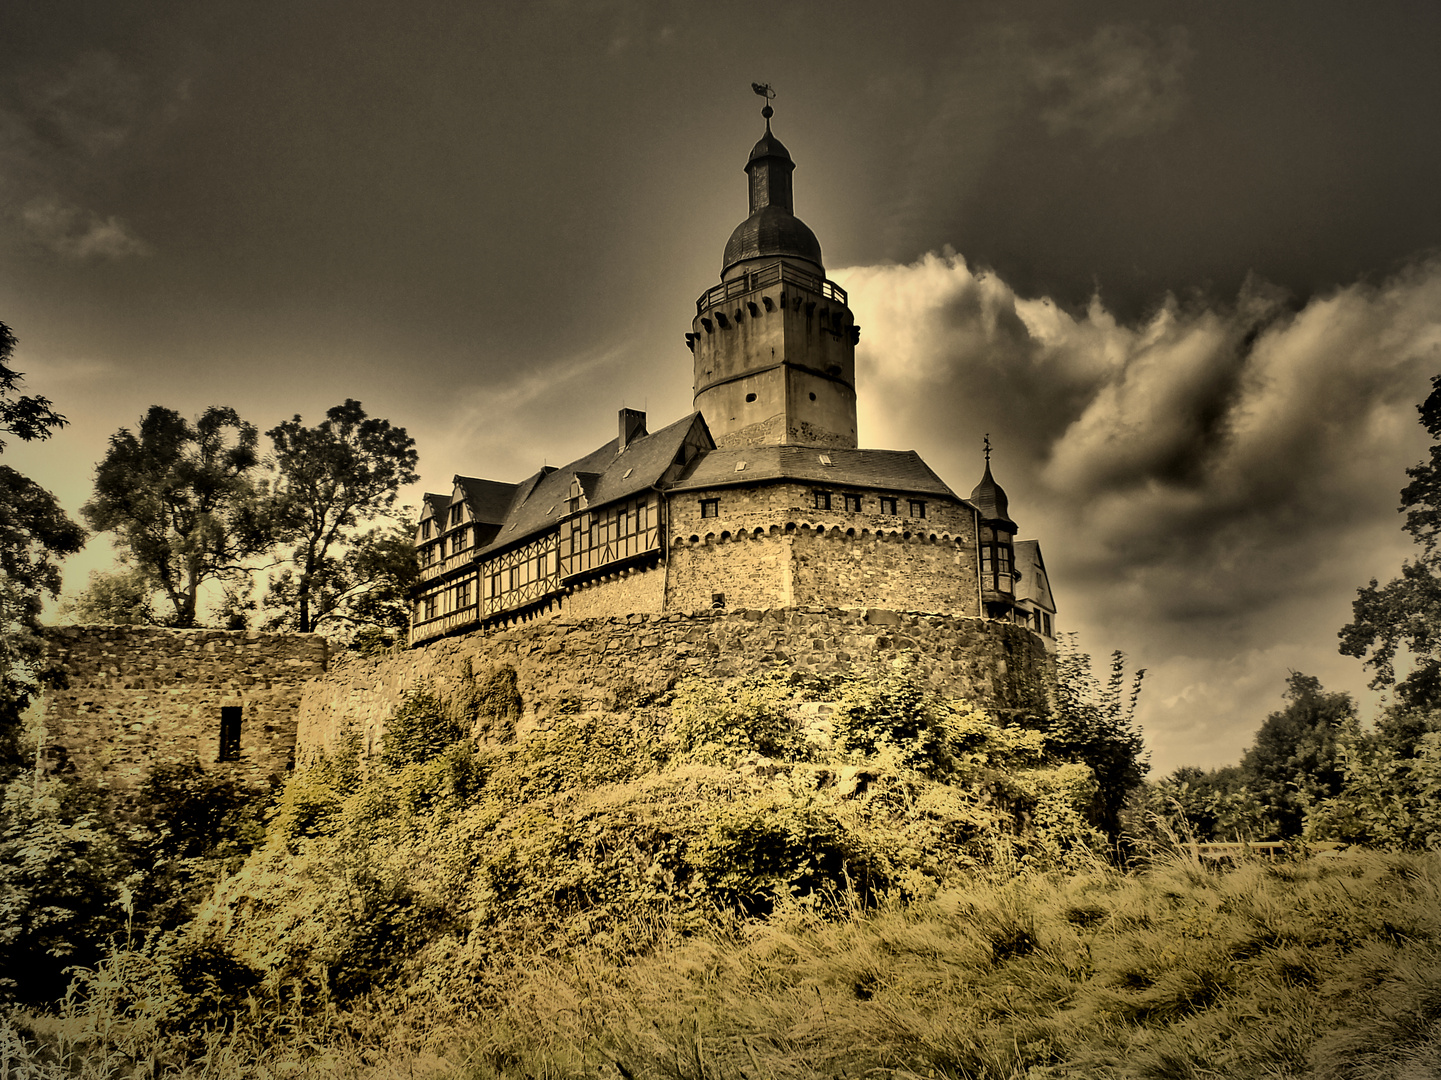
769	547
138	696
641	588
565	665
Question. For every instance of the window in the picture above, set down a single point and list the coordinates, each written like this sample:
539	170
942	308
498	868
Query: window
430	607
918	508
425	528
457	541
710	508
229	733
456	513
822	500
853	504
996	563
717	600
888	505
462	594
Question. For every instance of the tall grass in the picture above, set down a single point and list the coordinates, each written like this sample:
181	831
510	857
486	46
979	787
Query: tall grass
1317	969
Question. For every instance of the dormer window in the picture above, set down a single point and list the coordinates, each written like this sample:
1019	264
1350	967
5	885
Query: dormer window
426	528
457	514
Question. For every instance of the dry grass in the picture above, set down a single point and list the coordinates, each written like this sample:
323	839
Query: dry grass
1307	969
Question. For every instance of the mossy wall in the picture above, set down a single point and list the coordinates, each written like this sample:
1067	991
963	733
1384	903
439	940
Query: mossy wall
565	665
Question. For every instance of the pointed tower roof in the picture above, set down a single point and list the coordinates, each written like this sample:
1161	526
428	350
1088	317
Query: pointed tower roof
989	497
772	228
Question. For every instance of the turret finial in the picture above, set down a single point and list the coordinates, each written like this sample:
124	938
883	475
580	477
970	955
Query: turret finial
765	91
988	449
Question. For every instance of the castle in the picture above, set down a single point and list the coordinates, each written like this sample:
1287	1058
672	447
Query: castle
752	533
759	499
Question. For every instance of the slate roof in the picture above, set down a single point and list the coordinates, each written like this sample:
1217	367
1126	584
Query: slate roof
488	499
883	470
540	501
436	504
1035	583
990	498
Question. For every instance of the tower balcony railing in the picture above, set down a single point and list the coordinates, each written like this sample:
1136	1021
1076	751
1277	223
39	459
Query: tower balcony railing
773	274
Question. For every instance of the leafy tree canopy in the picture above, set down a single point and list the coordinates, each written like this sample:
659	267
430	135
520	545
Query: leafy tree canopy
1406	611
27	417
1295	761
331	478
182	501
34	535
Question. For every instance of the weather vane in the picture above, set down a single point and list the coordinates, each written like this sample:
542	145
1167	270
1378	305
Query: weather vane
765	91
988	449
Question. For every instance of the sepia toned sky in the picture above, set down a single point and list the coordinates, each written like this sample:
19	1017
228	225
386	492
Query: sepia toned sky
1178	259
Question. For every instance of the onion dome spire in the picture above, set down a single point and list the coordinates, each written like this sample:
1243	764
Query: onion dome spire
989	497
772	228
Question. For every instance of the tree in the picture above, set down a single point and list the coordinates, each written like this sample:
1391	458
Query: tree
331	478
120	597
1094	723
1296	762
34	535
1406	611
182	501
26	417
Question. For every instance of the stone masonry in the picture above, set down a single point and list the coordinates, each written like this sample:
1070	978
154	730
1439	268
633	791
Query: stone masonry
139	696
567	665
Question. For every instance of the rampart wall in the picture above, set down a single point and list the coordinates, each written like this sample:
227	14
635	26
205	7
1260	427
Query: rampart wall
566	665
139	696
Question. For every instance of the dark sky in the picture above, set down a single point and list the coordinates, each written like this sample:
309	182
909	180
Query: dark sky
1176	258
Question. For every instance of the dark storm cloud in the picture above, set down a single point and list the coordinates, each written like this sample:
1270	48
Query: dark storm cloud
61	126
1119	83
1207	483
1212	456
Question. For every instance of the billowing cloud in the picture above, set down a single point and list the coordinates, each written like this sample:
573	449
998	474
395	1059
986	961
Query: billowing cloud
78	234
1210	485
1119	83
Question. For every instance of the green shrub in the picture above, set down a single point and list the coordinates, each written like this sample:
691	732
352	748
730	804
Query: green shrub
719	723
420	728
770	848
895	715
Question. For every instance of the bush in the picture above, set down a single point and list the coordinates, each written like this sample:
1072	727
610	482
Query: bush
718	723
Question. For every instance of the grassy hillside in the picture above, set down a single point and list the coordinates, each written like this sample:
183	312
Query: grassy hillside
741	881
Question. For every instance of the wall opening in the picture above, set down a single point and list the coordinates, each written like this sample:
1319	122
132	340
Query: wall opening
229	733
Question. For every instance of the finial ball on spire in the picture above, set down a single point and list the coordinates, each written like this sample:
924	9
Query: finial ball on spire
768	112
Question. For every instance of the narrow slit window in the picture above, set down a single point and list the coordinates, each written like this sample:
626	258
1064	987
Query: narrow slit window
229	733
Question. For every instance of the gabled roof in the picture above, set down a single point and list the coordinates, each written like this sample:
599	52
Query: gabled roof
608	476
488	499
433	505
1034	584
883	470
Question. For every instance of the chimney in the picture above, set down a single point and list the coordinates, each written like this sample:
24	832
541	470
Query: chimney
632	426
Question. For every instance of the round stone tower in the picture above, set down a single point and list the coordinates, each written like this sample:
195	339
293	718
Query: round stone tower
775	342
